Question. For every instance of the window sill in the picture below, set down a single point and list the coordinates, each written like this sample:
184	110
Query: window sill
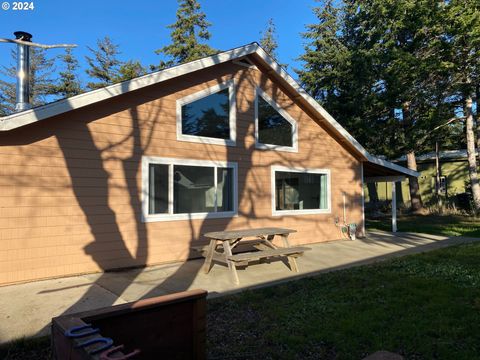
195	216
206	140
301	212
276	147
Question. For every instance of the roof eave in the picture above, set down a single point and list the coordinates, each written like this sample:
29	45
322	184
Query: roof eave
392	166
23	118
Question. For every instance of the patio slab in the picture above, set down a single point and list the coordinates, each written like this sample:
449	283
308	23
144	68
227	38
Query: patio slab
27	309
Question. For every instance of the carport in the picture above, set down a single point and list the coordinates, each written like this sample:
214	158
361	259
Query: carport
378	170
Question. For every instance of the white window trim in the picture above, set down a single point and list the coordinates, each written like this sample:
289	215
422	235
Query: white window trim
146	217
276	212
230	85
286	115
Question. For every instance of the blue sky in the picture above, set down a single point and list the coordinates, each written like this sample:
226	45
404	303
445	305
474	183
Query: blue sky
139	27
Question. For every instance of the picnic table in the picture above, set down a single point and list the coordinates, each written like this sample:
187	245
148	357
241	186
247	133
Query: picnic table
222	244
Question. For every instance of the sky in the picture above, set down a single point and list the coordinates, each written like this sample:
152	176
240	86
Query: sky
139	27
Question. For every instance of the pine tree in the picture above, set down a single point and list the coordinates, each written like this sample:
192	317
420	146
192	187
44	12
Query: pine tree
104	67
462	42
41	83
129	70
268	41
187	35
375	66
68	83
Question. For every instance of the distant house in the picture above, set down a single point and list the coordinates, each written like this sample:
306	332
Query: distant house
133	174
454	179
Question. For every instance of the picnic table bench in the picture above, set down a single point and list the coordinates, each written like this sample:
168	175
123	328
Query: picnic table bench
222	244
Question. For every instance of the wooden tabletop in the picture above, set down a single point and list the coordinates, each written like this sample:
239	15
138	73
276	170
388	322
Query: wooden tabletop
236	234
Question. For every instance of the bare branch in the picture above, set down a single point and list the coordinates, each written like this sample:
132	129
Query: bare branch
28	43
449	121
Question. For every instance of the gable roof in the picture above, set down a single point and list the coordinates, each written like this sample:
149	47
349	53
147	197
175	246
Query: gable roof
37	114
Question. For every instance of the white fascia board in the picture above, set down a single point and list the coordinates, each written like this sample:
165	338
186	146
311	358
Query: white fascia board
392	166
16	120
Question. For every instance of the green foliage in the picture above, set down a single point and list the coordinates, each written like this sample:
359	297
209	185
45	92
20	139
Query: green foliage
41	83
187	35
104	65
268	41
68	83
107	69
382	67
129	70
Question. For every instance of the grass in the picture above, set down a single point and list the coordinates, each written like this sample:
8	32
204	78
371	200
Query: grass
449	225
424	306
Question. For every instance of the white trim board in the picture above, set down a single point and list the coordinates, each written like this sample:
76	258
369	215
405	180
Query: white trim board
276	212
286	116
170	216
392	166
23	118
230	85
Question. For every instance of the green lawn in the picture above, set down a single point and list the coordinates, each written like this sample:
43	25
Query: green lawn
424	306
451	225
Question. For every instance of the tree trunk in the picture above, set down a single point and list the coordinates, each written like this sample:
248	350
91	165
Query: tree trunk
477	101
413	186
373	196
438	175
472	160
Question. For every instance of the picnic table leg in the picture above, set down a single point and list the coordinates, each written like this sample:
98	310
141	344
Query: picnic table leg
231	264
209	257
291	260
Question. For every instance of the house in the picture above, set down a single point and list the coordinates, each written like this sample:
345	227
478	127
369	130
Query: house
133	174
453	183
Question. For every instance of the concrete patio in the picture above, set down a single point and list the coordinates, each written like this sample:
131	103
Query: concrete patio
26	309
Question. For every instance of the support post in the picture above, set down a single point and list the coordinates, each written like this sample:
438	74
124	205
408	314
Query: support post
394	207
363	202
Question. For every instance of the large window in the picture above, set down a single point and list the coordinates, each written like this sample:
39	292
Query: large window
300	191
175	189
208	116
274	127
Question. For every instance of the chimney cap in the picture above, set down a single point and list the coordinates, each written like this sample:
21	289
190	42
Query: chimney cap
22	35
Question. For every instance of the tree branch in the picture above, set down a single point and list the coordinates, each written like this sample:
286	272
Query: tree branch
28	43
449	121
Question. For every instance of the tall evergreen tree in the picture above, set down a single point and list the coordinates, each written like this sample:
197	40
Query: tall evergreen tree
104	66
268	40
188	35
68	83
462	40
41	83
130	69
374	65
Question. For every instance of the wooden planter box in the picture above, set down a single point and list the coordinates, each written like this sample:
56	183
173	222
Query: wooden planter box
168	327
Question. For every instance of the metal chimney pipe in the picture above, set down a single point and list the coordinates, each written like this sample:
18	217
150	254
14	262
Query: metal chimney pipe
23	72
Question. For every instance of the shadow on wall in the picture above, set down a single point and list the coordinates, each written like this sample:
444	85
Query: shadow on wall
105	173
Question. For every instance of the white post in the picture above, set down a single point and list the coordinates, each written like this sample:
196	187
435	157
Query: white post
394	208
363	202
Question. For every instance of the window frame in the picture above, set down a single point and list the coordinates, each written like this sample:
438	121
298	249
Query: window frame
285	114
230	85
171	162
276	212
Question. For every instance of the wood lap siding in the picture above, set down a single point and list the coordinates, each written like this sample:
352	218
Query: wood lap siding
66	201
